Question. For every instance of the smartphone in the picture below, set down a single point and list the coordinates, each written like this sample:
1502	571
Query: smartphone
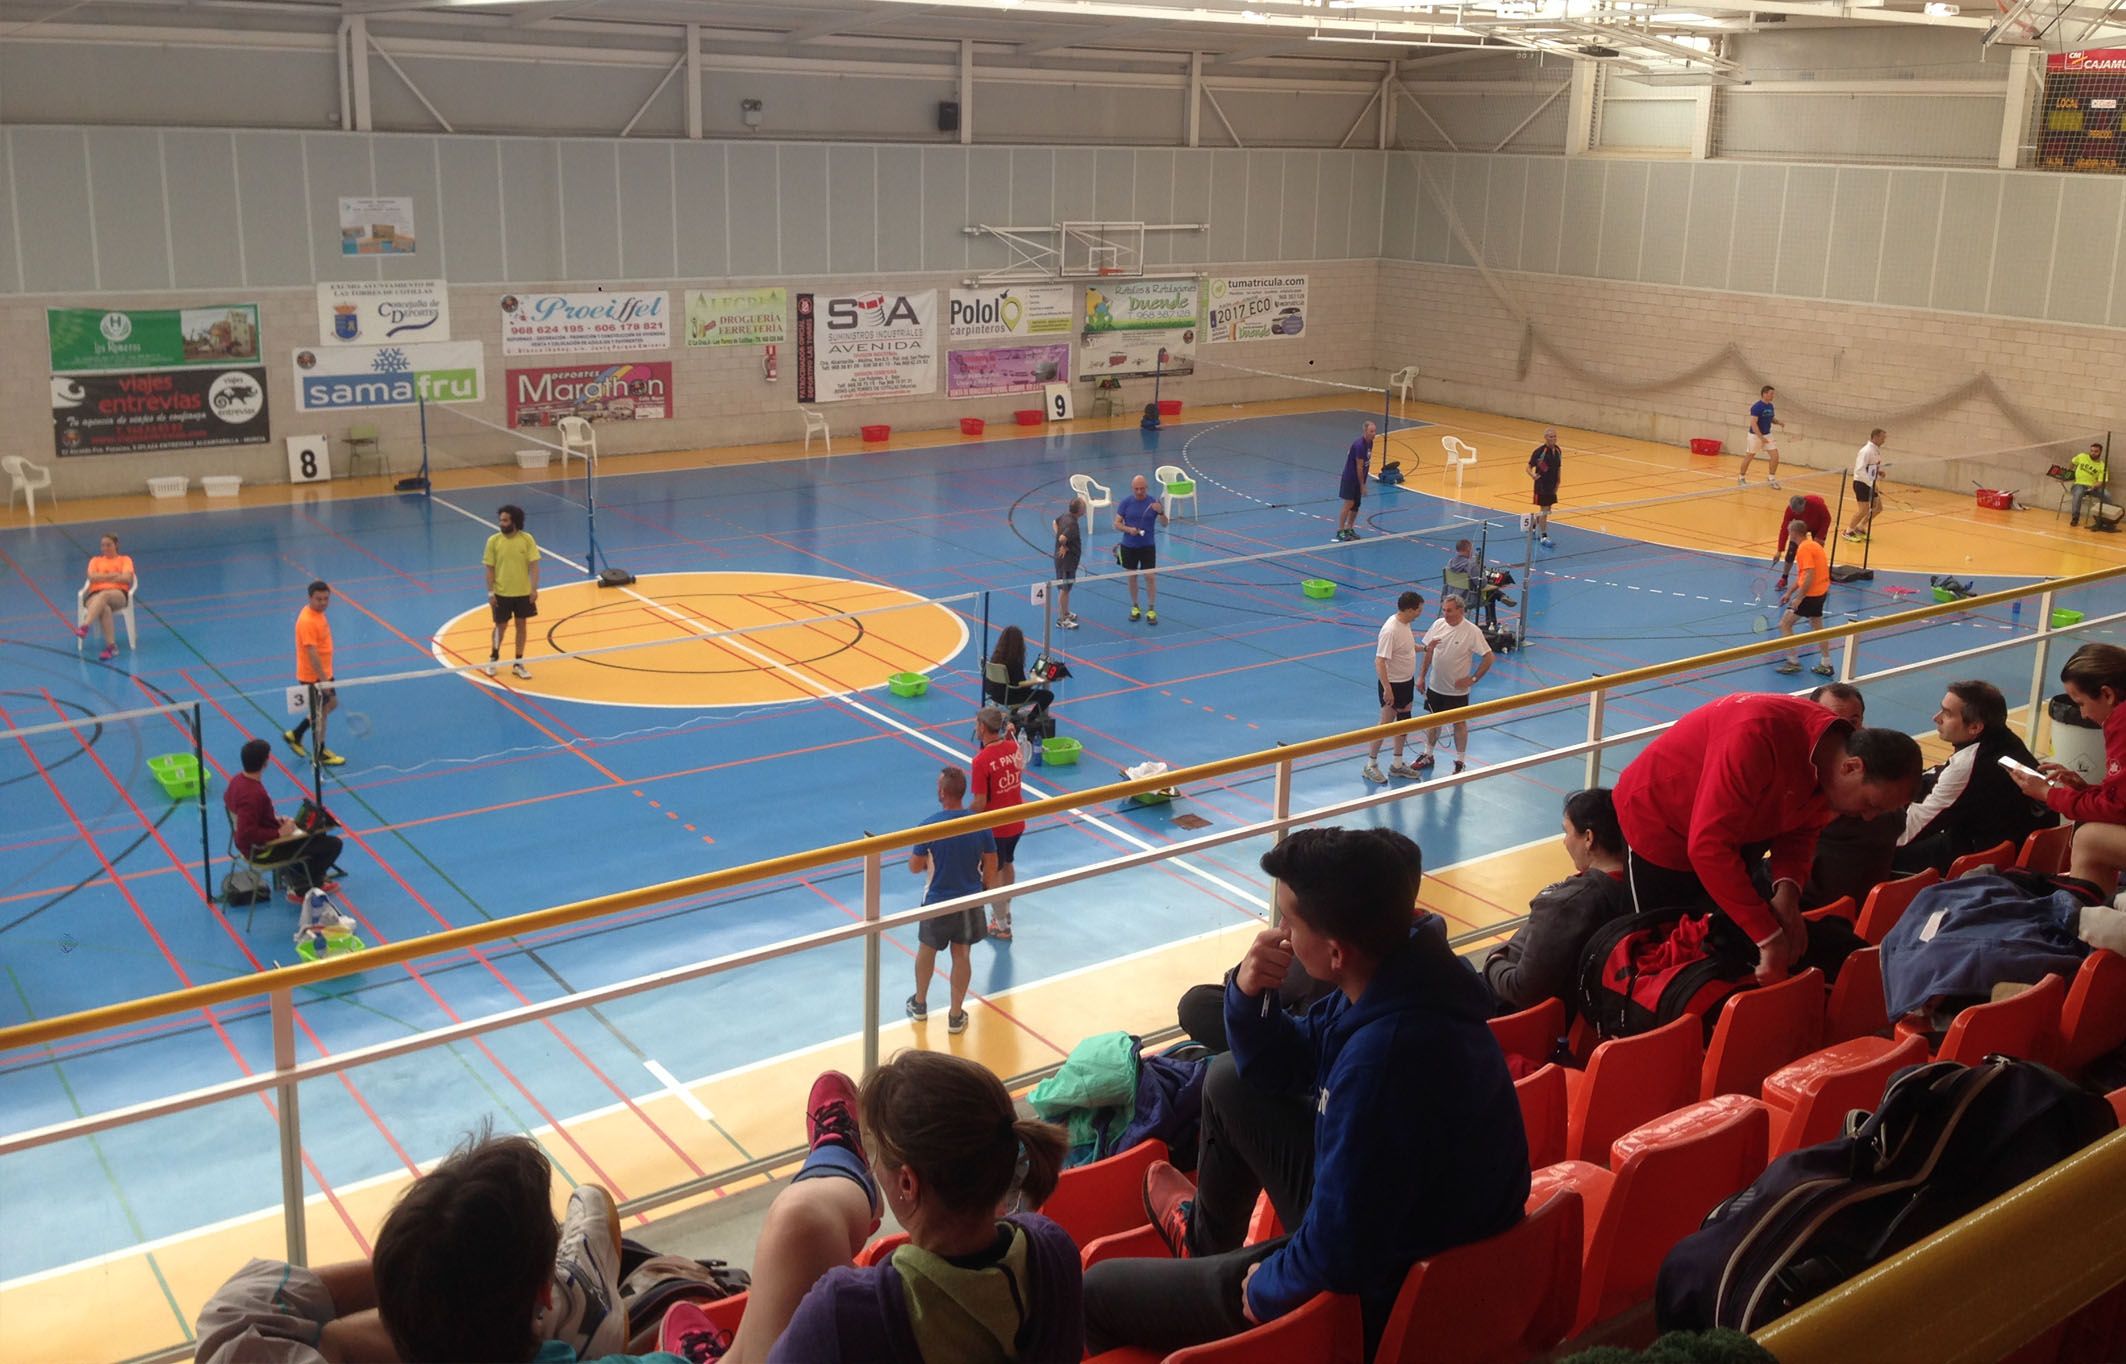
2024	768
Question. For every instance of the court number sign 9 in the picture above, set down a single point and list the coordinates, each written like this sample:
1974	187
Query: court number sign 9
1058	402
309	459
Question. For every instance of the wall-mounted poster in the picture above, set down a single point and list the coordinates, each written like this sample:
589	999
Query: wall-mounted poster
879	343
373	312
551	324
737	317
169	409
1257	307
1006	369
376	227
636	390
355	378
87	339
1010	310
1139	326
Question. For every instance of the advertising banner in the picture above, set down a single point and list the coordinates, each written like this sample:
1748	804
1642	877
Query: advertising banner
375	311
737	317
171	409
85	339
807	390
1006	369
878	343
2088	59
1010	310
639	390
376	227
551	324
355	378
1139	326
1257	307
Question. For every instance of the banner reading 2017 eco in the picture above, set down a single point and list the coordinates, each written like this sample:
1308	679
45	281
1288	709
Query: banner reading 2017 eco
85	340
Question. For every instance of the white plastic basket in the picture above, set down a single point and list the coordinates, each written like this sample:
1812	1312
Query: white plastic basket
536	458
221	485
169	486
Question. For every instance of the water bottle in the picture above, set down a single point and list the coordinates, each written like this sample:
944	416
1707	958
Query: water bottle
2015	614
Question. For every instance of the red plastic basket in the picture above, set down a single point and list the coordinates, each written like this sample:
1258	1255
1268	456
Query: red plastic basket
1169	407
1996	499
1028	416
877	433
1700	445
970	426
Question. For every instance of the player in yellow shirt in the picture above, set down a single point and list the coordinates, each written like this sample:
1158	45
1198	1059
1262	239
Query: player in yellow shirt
512	560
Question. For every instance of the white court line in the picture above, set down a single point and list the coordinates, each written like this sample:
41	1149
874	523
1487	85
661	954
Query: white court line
678	1091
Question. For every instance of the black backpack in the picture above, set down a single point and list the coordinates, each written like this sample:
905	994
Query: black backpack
1947	1139
1643	970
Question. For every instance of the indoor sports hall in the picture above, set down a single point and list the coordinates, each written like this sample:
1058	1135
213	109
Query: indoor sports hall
796	336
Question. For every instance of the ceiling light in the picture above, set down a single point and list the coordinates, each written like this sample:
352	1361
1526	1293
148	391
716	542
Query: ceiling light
1941	11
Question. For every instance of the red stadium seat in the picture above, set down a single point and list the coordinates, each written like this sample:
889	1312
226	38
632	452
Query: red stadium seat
1326	1328
1532	1033
2118	1103
1808	1100
1262	1223
1841	908
1496	1301
2000	855
1761	1030
1543	1105
1664	1177
881	1250
1856	1007
2047	850
1628	1081
1107	1196
1141	1242
1888	902
2093	1020
2025	1025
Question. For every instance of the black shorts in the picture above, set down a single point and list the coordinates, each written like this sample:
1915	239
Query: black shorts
1438	702
1007	848
1137	558
326	693
1546	497
1404	692
1811	608
514	608
1066	571
966	926
1352	492
1863	492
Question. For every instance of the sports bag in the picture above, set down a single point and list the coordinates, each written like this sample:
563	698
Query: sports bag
1947	1139
243	885
1643	970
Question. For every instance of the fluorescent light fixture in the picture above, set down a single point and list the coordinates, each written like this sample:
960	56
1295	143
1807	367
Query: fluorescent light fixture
1941	11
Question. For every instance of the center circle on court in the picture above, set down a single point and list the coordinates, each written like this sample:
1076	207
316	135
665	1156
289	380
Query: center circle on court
702	640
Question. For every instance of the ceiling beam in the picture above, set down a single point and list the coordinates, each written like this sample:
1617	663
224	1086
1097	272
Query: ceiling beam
849	20
1080	36
540	11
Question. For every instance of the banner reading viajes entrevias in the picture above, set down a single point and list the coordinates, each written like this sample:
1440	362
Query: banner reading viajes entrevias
168	409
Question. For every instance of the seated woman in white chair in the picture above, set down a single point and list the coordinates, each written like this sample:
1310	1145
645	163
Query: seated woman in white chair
110	587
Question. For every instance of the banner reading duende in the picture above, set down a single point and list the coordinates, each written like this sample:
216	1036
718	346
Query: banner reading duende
86	340
1140	326
738	317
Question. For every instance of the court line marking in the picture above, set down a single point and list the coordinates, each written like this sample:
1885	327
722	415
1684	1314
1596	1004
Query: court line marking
677	1090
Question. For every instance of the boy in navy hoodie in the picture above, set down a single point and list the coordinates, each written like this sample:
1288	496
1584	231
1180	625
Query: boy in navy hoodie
1382	1122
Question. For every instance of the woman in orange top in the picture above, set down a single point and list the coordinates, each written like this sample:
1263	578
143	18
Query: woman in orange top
110	588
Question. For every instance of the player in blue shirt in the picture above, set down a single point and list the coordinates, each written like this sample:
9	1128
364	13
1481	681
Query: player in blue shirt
962	864
1762	420
1138	516
1356	463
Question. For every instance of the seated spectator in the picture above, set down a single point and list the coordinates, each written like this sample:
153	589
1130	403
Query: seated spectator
1853	852
109	588
469	1266
2095	679
271	842
1201	1011
1543	959
1151	417
1464	568
1018	689
1969	802
980	1279
1383	1123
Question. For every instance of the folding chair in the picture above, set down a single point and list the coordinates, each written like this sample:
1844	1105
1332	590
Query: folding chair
363	439
2093	1018
2048	850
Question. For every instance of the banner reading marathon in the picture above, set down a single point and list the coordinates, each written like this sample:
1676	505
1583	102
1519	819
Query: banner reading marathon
84	339
171	409
636	391
1257	307
1139	326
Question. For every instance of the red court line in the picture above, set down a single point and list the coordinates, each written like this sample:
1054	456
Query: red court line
31	583
362	550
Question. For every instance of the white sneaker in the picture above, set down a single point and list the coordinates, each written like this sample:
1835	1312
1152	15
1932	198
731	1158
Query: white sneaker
1067	623
1742	483
1404	770
1772	482
521	671
1373	774
491	667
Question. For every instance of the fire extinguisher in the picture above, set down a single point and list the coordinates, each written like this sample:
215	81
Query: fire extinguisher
769	363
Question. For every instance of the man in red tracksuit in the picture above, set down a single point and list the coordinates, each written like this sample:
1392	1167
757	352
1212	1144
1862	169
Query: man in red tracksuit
1811	512
1752	770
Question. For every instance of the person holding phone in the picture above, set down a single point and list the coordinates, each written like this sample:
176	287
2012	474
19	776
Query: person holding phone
2095	680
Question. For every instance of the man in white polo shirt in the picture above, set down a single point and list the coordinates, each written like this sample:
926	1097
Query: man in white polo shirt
1452	644
1395	681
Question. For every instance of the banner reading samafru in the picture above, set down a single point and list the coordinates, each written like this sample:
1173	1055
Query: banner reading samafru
639	390
737	317
1006	369
375	312
1010	310
548	324
354	378
879	343
1124	305
1257	307
88	339
170	409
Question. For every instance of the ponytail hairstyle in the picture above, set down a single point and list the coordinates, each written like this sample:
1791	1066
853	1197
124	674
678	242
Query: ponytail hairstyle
2096	666
952	1122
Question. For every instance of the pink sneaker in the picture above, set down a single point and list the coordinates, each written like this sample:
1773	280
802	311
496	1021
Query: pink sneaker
830	1114
81	632
110	652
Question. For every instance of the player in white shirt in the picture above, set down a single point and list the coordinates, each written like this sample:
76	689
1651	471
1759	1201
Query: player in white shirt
1867	484
1395	681
1452	644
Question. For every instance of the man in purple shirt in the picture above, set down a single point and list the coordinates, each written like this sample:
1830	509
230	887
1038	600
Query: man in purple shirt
1356	464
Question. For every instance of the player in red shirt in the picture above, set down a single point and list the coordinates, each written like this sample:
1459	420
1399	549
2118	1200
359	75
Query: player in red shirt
998	768
1810	510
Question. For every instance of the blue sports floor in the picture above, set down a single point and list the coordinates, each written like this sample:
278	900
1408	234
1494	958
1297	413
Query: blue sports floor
465	803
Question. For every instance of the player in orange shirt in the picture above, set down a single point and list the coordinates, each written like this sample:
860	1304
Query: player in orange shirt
1812	585
110	588
313	667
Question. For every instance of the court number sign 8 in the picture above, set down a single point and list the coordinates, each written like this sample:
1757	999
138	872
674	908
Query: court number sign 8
308	461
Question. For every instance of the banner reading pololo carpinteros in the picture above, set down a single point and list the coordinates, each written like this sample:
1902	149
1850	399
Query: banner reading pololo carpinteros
1010	310
878	343
1257	307
1139	326
553	324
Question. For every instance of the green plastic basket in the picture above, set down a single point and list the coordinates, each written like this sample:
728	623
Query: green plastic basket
345	945
178	773
2062	617
1183	489
908	684
1057	751
1321	589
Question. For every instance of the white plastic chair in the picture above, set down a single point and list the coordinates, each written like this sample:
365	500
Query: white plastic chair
26	478
816	425
1096	496
81	614
1404	379
1460	455
578	438
1172	476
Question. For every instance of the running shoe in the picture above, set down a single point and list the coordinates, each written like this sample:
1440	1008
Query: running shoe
1151	617
295	741
81	632
1823	670
1067	623
110	651
956	1023
1135	614
1460	766
1742	483
1788	666
1771	483
1547	543
1403	770
1424	759
1372	773
830	1115
1169	1203
330	758
1001	932
521	671
917	1009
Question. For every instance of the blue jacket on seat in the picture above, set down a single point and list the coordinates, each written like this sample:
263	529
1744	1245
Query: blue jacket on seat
1418	1144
